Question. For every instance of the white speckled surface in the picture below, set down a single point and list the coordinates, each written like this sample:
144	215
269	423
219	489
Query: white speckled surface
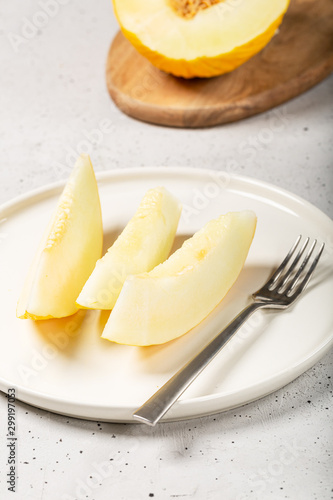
53	95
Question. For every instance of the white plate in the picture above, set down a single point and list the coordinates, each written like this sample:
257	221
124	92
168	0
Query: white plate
64	366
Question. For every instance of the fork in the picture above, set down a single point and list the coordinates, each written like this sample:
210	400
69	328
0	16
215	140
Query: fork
280	291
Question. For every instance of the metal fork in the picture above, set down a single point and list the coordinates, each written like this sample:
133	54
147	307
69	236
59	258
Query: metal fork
280	291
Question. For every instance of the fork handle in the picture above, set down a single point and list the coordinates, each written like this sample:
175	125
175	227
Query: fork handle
154	409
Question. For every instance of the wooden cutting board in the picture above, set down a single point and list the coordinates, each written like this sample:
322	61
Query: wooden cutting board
296	59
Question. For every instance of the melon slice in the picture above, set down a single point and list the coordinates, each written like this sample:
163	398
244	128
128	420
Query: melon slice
190	38
167	302
68	251
145	242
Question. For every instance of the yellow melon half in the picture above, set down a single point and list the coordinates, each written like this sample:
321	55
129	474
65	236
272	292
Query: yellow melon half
165	303
68	252
196	38
145	242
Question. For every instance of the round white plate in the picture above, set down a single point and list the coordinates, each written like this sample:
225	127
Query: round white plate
64	366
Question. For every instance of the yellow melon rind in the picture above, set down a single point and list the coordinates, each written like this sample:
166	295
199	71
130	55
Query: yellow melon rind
205	67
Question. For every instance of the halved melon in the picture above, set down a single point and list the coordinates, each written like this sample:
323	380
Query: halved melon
145	242
69	249
165	303
199	38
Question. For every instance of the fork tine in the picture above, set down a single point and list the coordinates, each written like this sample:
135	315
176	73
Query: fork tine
283	264
292	266
308	275
296	278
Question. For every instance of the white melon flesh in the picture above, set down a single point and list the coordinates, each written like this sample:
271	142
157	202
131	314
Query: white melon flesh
68	252
167	302
144	243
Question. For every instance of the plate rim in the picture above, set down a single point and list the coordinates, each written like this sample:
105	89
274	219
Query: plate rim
103	175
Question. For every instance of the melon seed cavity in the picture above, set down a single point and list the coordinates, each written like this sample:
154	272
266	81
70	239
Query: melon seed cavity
189	8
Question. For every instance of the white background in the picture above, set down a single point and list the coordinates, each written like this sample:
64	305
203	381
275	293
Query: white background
52	97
